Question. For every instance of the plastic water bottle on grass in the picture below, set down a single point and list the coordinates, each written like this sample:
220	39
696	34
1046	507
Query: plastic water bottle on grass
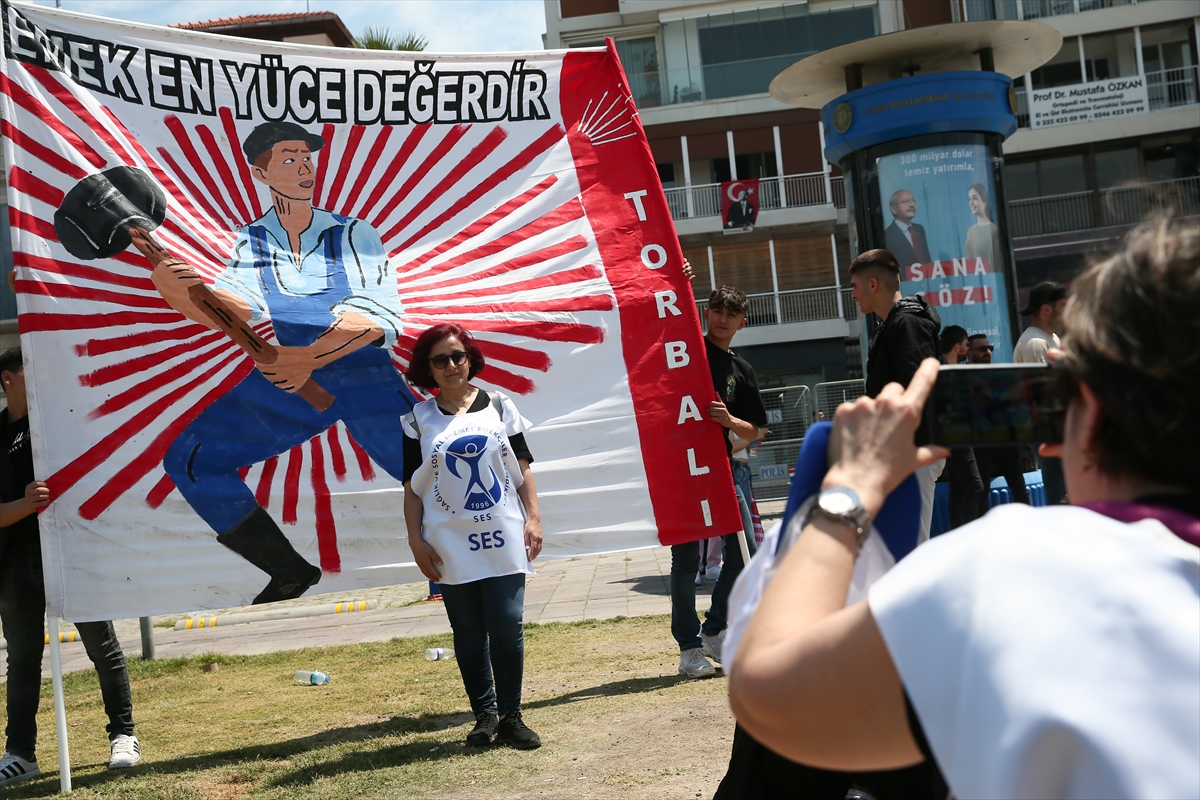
311	677
439	654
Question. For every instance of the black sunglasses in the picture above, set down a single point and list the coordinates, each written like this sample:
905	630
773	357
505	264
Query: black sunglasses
459	357
987	347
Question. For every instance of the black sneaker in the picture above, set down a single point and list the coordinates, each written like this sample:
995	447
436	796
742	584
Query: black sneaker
515	733
484	732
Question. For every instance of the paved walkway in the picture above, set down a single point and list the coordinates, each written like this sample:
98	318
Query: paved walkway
632	583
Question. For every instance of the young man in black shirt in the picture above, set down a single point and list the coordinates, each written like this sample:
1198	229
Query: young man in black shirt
23	601
738	408
907	336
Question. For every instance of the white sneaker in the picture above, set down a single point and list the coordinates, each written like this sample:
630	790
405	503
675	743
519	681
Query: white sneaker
712	573
698	578
693	664
125	752
711	646
13	769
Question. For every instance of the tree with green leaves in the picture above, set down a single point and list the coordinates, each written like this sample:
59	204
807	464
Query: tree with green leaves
381	38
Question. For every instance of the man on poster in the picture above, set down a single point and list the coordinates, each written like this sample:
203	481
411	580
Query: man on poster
324	282
742	213
904	238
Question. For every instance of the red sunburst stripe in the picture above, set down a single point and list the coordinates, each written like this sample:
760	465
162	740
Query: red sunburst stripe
41	152
160	491
175	125
511	354
439	152
331	560
30	184
72	292
398	161
495	137
100	452
222	164
369	165
509	381
132	366
565	214
364	461
31	323
208	262
585	303
115	344
339	180
173	190
544	331
209	210
522	160
239	159
566	247
262	494
568	276
81	271
40	227
335	453
291	484
479	225
76	107
21	96
152	456
243	472
318	163
156	381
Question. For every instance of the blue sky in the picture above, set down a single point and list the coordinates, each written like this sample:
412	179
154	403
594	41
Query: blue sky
464	26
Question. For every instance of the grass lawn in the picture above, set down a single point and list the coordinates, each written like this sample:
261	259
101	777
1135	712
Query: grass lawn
615	719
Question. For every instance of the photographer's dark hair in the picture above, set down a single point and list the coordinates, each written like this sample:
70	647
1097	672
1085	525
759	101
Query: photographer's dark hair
729	298
419	372
11	360
1132	330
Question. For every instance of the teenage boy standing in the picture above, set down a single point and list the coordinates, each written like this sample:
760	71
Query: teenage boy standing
738	408
23	601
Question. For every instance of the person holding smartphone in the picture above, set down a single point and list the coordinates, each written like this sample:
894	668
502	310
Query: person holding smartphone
471	509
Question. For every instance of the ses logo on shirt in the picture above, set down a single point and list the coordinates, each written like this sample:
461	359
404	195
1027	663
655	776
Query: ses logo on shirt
462	460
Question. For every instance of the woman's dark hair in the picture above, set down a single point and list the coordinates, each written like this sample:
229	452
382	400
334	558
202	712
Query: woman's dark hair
419	373
982	191
1132	331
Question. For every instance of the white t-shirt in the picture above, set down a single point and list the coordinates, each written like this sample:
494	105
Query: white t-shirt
468	481
1052	653
1032	346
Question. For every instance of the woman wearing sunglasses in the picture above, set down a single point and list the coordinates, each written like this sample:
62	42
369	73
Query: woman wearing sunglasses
470	506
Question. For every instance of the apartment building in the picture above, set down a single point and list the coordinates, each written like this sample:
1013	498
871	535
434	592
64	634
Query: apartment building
700	71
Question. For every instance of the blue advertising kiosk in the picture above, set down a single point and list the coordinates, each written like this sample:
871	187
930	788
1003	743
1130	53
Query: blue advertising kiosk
916	120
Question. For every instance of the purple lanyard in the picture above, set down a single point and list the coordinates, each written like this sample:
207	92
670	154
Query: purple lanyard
1183	525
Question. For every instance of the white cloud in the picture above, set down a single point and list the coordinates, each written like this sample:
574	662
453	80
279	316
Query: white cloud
452	26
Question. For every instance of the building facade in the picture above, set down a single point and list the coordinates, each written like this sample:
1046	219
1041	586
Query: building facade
700	71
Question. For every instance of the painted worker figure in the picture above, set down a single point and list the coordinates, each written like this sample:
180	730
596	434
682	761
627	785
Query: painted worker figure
323	281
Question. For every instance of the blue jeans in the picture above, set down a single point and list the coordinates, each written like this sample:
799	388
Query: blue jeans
23	614
685	561
489	640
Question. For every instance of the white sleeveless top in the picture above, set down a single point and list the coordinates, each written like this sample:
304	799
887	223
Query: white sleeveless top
1052	653
468	482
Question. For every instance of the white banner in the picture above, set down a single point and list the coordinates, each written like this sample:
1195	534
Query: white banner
314	190
1088	102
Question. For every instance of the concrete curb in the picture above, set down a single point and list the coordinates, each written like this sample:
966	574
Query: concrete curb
348	607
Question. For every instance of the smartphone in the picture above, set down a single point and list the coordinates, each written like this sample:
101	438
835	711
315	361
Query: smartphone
993	405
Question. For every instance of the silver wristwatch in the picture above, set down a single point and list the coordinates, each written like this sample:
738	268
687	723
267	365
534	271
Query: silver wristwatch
841	504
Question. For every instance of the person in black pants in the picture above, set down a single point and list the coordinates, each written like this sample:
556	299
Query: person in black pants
962	471
23	601
995	461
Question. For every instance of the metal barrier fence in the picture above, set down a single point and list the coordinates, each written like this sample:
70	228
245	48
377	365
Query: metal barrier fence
1119	205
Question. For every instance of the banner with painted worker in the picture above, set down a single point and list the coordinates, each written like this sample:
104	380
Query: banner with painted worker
939	219
225	250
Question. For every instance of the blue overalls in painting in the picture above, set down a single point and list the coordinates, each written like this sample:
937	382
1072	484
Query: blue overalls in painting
257	420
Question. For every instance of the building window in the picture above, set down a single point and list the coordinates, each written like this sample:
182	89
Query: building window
739	53
1117	168
639	57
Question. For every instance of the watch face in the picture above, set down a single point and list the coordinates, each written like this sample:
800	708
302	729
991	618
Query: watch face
839	503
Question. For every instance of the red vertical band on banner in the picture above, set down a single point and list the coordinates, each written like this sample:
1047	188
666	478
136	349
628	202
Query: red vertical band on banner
687	469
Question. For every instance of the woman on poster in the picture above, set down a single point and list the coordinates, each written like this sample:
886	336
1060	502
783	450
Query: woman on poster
471	509
983	238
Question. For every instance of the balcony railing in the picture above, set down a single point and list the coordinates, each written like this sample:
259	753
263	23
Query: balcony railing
799	305
789	191
1119	205
1035	9
1166	88
838	186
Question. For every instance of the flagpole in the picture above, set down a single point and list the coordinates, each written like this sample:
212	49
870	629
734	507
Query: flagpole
60	708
